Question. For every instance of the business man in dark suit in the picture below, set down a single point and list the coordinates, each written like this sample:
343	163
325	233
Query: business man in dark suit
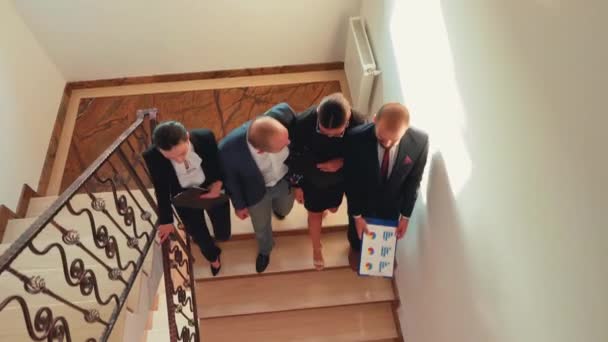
179	160
384	165
253	158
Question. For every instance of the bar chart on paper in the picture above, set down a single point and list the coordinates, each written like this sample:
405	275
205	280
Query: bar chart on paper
378	248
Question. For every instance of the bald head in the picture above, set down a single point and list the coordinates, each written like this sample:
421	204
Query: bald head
392	121
267	134
394	113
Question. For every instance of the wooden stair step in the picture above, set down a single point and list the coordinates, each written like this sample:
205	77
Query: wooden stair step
283	292
291	253
363	322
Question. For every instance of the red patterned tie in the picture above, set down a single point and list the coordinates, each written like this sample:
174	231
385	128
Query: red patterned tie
384	166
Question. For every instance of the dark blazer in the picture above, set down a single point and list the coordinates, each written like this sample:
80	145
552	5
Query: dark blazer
243	180
366	194
308	148
164	178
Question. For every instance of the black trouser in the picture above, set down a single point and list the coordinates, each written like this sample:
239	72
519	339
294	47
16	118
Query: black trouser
196	226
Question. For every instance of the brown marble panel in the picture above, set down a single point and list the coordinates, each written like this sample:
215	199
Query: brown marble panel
206	75
101	120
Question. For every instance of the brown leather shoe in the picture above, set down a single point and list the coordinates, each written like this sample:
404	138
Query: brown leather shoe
354	258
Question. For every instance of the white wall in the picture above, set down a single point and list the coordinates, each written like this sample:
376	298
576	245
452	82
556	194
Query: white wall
30	91
115	38
510	242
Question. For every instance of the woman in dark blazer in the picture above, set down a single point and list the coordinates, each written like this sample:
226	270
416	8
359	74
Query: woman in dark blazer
178	160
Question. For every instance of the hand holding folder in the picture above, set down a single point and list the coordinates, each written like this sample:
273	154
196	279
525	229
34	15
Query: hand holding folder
195	198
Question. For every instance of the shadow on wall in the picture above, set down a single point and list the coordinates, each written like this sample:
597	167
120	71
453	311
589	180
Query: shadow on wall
439	303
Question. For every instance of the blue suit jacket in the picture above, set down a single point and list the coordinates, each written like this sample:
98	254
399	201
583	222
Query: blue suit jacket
242	178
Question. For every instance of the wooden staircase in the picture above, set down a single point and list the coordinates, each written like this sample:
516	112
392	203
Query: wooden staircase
290	301
131	322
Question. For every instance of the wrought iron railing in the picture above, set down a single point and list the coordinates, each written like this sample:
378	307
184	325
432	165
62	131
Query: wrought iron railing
69	274
179	286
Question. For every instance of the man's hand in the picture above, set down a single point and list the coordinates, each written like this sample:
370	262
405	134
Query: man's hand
402	228
361	226
214	191
331	165
164	231
299	195
242	213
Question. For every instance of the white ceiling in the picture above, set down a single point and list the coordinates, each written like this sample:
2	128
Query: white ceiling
117	38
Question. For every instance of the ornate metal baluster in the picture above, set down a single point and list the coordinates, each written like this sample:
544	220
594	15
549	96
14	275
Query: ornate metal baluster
102	239
119	181
44	325
135	176
192	287
124	210
141	139
99	205
85	279
72	238
36	285
175	257
169	291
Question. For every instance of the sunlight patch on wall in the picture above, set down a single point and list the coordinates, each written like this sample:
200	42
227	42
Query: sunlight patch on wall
426	72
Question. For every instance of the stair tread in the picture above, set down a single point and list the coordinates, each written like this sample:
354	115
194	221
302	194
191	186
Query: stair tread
343	323
241	296
291	253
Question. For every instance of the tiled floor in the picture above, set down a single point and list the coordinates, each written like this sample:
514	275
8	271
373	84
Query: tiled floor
96	117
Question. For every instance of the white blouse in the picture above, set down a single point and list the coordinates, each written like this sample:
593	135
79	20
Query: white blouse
190	173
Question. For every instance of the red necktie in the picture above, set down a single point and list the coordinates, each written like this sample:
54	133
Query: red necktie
384	166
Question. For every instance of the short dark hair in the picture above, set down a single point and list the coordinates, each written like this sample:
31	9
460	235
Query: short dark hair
333	111
169	134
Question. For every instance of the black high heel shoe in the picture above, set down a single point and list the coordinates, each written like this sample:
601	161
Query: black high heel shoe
215	271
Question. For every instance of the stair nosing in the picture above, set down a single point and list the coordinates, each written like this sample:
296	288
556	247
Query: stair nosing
391	301
393	298
268	274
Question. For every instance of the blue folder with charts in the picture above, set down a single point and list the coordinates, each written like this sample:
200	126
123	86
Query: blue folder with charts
378	248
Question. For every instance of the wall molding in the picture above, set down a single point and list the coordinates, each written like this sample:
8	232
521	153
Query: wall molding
203	75
47	169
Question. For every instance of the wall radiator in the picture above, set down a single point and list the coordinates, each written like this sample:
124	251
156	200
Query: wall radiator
359	65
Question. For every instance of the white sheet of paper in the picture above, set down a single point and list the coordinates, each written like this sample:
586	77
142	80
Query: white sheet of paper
378	251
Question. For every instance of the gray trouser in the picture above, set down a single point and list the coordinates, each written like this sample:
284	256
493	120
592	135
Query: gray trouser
278	198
